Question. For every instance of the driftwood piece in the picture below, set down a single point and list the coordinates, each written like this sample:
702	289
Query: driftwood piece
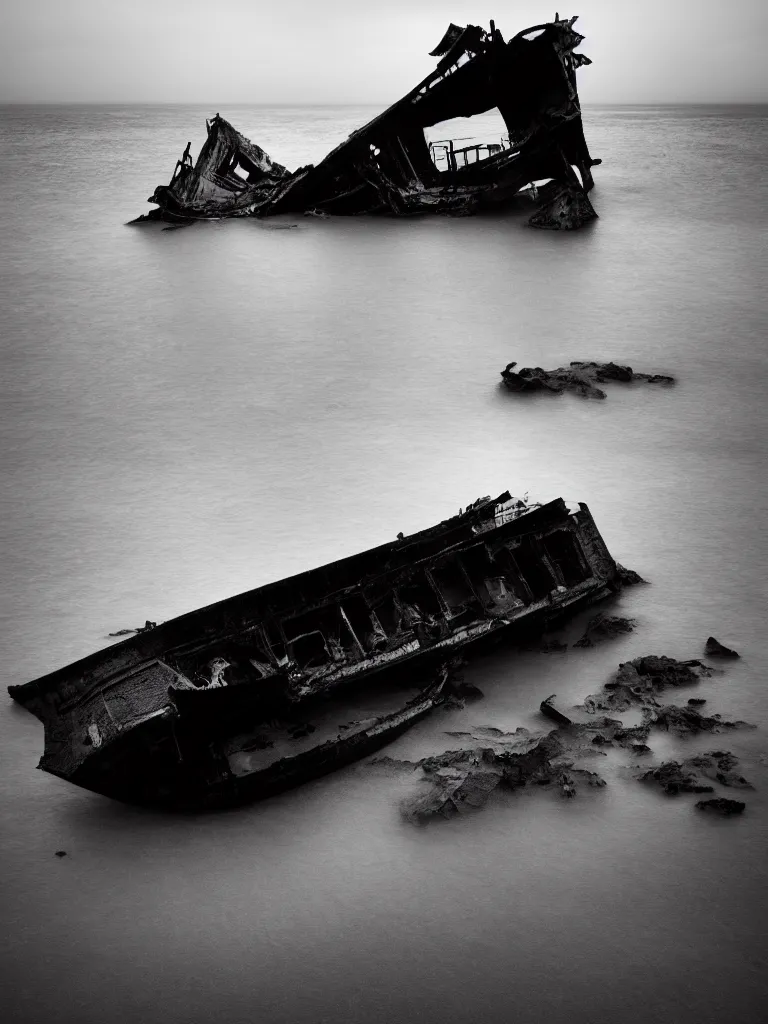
547	708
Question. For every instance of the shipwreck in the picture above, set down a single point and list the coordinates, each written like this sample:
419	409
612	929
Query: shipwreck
254	694
388	166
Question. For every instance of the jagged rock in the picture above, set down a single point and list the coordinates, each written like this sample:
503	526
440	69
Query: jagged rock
581	377
720	805
686	777
676	778
582	736
637	683
687	721
589	778
462	779
721	766
393	762
714	649
628	577
604	627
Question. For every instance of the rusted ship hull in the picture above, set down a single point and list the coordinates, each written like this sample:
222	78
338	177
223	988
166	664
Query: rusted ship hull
249	696
388	166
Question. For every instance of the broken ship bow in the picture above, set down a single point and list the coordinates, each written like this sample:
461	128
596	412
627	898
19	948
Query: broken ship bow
389	167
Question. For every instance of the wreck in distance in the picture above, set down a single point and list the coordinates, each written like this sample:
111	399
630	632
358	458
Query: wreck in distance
253	695
388	167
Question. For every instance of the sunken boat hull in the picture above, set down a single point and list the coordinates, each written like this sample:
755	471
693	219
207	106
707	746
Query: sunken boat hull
252	695
388	166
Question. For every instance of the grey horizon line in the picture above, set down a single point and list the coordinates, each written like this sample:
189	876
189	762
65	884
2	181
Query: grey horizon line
370	103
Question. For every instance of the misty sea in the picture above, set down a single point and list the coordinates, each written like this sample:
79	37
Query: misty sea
190	413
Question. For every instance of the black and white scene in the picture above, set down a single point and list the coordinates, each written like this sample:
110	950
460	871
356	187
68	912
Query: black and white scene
383	462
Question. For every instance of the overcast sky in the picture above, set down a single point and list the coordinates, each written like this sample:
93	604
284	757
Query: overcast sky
350	51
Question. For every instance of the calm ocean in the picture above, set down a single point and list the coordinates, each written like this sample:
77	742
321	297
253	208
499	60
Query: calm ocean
187	414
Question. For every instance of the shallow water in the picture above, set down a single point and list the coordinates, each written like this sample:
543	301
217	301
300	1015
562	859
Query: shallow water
190	413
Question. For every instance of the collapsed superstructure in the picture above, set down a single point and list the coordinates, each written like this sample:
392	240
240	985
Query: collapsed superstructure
254	694
388	166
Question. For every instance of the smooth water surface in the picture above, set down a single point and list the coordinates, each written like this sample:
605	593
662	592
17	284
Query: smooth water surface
190	413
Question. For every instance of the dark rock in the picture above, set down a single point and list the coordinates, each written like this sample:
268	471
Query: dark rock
719	805
604	627
392	762
696	701
581	377
687	721
714	649
628	577
608	730
641	748
676	778
60	853
688	776
638	682
464	779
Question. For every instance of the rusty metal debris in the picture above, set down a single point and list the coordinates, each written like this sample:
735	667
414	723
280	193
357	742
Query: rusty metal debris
389	167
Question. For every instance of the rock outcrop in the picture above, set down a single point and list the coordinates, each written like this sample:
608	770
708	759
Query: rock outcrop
714	649
461	780
688	776
628	577
719	805
580	377
687	721
604	627
639	682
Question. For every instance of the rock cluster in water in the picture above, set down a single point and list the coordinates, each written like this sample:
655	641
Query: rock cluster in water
463	779
688	776
581	377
